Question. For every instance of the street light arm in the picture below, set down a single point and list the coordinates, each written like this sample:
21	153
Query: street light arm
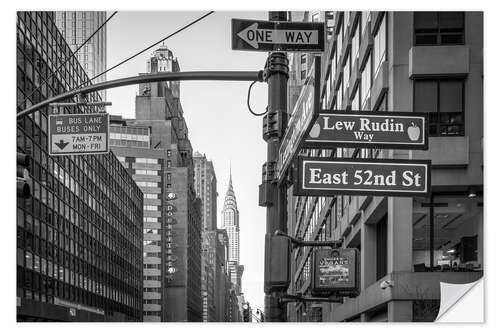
146	78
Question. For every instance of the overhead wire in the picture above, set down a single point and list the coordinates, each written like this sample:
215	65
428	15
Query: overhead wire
147	48
67	59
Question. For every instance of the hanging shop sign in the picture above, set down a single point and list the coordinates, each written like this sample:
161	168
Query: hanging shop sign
397	130
303	116
75	134
336	271
323	176
252	35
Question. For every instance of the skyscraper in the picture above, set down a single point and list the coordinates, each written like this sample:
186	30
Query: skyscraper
79	254
231	223
156	150
76	27
206	190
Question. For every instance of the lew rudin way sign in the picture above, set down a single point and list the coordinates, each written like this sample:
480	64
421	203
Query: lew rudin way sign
251	35
398	130
73	134
320	176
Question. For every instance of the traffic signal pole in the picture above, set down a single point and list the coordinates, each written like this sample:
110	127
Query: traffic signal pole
275	122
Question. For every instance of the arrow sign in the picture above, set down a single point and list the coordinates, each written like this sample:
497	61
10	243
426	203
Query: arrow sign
61	144
78	133
253	36
277	36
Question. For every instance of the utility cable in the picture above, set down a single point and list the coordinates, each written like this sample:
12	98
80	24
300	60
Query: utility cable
147	48
248	102
67	59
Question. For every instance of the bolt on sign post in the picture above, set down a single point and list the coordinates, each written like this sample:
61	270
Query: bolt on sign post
336	271
76	134
252	35
354	129
324	176
303	116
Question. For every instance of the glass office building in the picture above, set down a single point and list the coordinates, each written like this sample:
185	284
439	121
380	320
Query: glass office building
79	236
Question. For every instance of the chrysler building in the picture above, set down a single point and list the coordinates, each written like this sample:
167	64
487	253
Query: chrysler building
230	222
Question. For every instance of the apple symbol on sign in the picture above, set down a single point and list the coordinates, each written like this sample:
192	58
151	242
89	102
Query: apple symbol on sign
413	132
314	132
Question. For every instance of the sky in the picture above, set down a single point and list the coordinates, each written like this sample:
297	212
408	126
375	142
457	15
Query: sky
216	113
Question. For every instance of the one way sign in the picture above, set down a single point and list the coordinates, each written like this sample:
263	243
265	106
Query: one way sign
251	35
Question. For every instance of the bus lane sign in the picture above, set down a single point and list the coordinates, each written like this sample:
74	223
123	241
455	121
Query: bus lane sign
74	134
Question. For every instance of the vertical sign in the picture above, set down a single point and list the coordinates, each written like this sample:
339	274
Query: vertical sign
74	134
304	113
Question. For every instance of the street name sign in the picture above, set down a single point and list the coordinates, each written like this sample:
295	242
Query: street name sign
323	176
336	271
304	113
74	134
252	35
398	130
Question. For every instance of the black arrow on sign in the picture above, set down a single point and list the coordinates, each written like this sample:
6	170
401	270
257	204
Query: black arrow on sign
61	144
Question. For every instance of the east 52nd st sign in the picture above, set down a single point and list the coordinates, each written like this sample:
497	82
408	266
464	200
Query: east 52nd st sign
397	130
320	176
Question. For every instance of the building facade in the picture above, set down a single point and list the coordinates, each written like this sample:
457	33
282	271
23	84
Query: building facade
155	149
76	27
206	189
231	223
428	62
79	235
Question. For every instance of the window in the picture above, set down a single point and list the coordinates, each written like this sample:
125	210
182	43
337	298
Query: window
379	47
444	101
355	100
365	18
303	75
439	28
366	81
355	43
329	17
315	17
303	58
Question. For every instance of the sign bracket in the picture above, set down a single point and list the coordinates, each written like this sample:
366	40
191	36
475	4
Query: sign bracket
301	243
288	298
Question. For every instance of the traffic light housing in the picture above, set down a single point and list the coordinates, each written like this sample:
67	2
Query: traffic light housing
277	263
22	180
